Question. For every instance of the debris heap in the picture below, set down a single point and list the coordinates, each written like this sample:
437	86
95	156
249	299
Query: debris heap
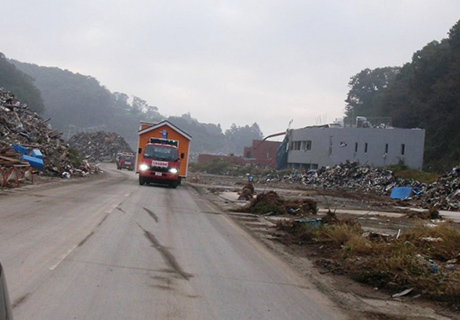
354	177
270	203
23	127
443	194
99	146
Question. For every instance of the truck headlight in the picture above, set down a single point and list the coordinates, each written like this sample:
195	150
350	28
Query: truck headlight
143	167
173	170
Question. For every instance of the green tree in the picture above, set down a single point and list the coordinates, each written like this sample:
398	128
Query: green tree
424	93
367	89
237	138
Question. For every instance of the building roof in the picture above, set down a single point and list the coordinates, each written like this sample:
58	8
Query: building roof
153	126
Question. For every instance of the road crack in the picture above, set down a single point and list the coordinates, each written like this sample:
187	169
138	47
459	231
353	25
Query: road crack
167	256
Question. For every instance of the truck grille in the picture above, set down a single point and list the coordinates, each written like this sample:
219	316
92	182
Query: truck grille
159	169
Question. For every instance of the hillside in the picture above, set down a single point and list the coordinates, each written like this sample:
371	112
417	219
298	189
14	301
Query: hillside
424	93
21	84
76	102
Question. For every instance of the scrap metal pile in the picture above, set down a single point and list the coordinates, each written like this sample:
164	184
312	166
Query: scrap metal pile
20	126
99	146
444	194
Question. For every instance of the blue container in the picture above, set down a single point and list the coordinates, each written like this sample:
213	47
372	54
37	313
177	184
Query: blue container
37	154
310	222
400	193
19	148
35	163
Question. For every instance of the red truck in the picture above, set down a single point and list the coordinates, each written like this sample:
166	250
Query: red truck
125	161
159	162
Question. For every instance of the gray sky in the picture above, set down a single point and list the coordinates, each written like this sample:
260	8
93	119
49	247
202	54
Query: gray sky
232	61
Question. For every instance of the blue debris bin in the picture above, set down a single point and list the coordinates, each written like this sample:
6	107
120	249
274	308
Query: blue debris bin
35	163
19	149
37	154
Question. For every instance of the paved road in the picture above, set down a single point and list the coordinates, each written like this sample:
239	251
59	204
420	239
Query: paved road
111	249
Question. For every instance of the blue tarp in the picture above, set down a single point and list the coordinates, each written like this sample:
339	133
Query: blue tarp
400	193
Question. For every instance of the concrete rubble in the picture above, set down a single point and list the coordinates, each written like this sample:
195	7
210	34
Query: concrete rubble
443	194
99	146
22	128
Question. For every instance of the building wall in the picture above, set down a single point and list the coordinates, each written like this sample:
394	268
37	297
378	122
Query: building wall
262	153
368	146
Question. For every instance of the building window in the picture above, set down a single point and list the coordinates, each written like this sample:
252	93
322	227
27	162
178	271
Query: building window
403	149
295	145
300	145
356	147
365	147
386	148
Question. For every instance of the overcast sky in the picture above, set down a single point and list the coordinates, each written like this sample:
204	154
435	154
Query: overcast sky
232	61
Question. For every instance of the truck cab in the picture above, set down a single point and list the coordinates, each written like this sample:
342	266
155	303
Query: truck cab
159	162
125	161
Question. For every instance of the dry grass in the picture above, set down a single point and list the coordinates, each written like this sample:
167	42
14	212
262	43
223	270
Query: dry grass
423	258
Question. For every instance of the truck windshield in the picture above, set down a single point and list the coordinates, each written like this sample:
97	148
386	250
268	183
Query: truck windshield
160	153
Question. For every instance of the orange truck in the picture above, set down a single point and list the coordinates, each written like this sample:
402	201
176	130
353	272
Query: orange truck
163	154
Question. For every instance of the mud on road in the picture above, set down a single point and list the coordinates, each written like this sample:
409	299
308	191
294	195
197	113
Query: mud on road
376	214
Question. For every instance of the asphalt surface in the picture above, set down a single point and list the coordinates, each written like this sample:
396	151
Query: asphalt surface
108	248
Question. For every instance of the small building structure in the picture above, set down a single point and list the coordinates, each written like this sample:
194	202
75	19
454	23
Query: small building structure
328	145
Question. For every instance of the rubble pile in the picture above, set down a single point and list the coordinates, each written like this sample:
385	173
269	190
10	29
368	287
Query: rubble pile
99	146
270	203
354	177
444	194
22	127
247	193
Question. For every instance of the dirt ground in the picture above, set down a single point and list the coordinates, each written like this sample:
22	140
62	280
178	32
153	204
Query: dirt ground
377	214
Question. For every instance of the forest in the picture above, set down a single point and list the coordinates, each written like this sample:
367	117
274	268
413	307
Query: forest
423	93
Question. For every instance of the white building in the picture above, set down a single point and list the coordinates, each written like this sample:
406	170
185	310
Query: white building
321	146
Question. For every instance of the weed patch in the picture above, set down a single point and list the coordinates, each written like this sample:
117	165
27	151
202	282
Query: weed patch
426	259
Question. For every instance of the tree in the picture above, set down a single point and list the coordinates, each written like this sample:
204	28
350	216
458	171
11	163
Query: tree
239	137
424	93
367	89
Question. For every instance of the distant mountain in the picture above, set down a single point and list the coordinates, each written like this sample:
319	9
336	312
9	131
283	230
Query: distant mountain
76	103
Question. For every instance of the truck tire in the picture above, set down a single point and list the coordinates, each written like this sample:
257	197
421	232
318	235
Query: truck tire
141	180
174	184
